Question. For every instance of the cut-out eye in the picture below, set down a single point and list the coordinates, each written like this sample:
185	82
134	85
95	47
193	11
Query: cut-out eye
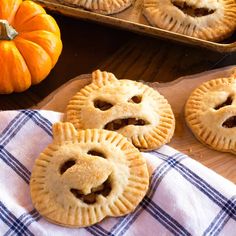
136	99
228	102
102	105
120	123
191	10
94	152
65	166
230	122
91	198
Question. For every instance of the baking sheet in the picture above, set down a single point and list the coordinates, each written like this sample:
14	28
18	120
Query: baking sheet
132	19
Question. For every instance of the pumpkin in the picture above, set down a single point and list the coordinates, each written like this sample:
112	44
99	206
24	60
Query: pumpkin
30	45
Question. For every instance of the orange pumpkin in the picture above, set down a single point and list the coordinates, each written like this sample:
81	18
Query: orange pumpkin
30	45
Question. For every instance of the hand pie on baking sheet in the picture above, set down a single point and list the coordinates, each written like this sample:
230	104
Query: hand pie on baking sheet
131	108
210	112
212	20
105	7
85	176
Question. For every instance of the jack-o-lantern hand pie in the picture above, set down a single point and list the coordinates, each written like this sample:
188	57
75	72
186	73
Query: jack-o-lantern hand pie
131	108
105	7
210	112
85	176
212	20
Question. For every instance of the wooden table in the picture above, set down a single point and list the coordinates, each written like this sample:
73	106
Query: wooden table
88	46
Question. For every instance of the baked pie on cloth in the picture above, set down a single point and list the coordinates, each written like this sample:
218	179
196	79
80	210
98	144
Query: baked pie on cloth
105	7
85	176
131	108
210	113
212	20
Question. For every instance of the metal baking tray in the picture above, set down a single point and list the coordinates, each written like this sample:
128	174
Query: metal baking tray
132	19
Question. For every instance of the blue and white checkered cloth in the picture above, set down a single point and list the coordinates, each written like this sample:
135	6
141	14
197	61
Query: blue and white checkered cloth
185	198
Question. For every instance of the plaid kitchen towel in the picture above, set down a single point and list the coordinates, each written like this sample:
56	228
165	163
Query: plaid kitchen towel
184	198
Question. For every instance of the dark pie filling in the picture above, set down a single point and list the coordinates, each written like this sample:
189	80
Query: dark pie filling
102	105
230	122
136	99
228	102
91	198
120	123
65	166
191	10
94	152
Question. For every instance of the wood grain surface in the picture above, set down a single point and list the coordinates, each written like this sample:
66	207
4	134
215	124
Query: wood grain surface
183	139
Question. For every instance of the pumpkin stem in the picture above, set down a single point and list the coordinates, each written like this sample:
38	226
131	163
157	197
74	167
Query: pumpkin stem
7	32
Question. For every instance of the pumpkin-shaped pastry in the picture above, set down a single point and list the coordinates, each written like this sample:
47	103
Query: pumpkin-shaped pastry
212	20
105	7
210	113
131	108
85	176
30	45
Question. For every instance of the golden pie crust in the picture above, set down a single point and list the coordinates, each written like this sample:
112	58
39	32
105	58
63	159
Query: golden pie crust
210	112
212	20
131	108
85	176
105	7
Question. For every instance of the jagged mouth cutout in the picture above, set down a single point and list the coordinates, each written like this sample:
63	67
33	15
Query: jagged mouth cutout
104	189
91	198
192	10
122	122
231	121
